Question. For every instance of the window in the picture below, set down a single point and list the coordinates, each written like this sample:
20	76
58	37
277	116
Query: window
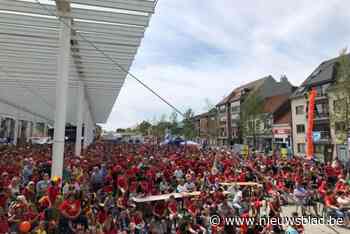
250	124
267	123
322	109
300	128
299	110
301	148
257	124
322	90
235	109
222	108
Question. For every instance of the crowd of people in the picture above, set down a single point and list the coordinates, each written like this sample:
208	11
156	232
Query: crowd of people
97	191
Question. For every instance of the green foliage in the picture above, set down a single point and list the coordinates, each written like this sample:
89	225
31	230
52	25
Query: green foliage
144	127
159	128
188	129
341	92
251	110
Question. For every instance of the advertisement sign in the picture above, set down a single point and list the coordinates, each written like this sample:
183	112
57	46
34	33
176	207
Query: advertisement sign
316	136
245	151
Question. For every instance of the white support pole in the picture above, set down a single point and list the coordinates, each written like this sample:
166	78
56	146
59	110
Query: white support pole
61	97
8	127
45	130
15	135
86	128
28	130
80	111
34	131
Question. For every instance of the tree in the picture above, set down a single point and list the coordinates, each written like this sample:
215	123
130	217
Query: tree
208	105
341	94
174	128
251	111
144	127
188	129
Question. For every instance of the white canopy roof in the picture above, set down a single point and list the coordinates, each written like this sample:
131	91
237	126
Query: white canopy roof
29	50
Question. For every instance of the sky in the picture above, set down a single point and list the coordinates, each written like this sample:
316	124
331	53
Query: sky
198	50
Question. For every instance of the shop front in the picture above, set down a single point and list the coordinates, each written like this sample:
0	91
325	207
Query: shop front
281	136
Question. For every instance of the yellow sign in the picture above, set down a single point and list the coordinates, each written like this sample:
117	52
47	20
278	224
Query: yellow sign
284	153
245	150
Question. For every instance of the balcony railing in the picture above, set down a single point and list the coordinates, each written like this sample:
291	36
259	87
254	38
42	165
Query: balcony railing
319	116
222	122
322	116
325	135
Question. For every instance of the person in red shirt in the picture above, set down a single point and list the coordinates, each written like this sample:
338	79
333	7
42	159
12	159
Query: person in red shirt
159	210
70	210
53	191
322	189
29	192
137	223
340	186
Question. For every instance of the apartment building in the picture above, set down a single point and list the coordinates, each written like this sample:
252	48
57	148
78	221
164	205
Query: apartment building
326	145
229	109
206	127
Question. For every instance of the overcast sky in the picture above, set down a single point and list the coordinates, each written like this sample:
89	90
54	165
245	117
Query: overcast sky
198	49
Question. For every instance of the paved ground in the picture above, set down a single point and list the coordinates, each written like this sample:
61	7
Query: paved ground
315	229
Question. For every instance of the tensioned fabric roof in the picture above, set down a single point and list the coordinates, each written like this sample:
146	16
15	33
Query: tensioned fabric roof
29	49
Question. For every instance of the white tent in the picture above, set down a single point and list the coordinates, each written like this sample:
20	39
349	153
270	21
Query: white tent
55	59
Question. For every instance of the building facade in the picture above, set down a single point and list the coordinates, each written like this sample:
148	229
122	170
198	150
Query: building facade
206	127
273	126
19	126
327	144
229	109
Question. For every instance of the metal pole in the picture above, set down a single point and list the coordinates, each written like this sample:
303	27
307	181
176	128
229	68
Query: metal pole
80	111
61	97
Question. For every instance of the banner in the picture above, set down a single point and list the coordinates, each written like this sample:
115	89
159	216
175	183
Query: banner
284	153
245	151
310	125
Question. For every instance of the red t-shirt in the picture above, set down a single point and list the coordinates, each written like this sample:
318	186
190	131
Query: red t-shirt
322	189
122	182
3	199
102	216
340	186
329	201
218	197
159	209
172	207
70	207
53	192
136	219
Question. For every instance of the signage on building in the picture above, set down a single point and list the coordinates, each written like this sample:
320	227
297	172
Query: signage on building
281	131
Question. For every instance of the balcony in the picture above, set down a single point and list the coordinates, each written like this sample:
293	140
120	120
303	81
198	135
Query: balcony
222	122
321	116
